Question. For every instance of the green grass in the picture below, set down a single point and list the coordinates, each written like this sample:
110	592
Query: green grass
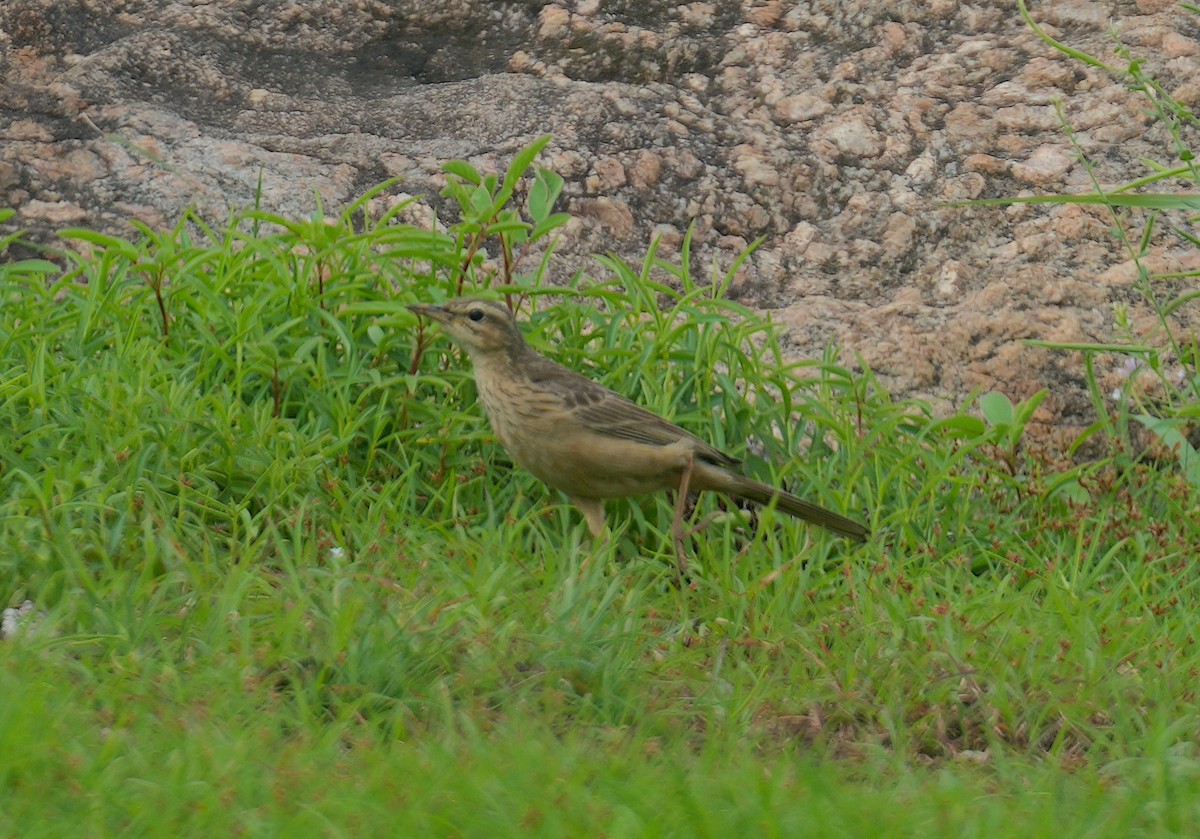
289	584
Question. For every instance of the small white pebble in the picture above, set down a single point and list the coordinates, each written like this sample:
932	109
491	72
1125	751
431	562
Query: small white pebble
10	620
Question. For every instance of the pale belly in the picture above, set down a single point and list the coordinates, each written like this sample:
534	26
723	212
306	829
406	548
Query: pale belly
595	467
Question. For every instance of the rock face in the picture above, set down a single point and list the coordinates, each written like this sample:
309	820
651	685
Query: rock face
837	131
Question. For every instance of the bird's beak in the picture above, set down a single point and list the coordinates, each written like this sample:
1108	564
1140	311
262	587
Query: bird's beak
434	313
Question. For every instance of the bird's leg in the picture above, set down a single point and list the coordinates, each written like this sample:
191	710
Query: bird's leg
593	513
681	565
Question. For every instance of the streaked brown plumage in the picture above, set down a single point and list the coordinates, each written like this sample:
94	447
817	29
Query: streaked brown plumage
588	441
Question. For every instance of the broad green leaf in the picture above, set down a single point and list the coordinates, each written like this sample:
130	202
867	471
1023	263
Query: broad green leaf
464	170
996	408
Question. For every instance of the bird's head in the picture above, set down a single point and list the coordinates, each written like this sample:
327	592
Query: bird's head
477	325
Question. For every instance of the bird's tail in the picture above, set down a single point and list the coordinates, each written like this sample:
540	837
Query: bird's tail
793	505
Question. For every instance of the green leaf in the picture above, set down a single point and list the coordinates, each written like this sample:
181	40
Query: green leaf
521	162
961	425
36	267
374	307
464	170
1141	200
1083	346
458	192
102	240
546	188
507	225
481	202
548	224
997	409
1026	409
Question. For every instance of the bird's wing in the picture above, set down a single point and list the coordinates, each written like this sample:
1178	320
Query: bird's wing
607	412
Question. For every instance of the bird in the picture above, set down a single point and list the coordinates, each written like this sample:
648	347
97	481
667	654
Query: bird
588	441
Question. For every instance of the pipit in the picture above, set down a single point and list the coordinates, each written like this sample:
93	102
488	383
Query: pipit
588	441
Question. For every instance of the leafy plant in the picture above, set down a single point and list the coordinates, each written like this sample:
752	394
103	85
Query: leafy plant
486	213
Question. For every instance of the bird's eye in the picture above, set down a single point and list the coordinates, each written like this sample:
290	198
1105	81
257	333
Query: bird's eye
475	314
